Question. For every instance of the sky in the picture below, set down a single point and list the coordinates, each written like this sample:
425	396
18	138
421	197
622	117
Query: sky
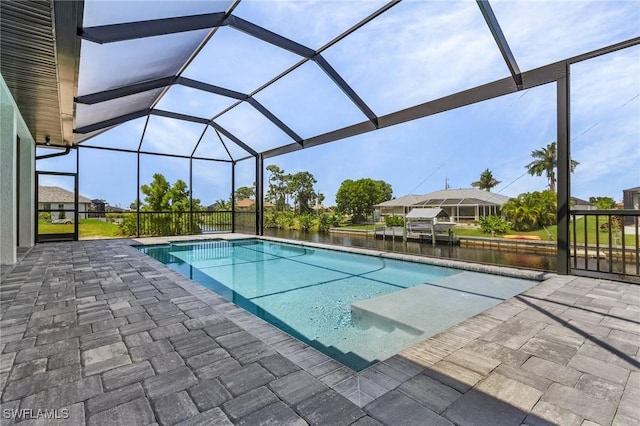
416	52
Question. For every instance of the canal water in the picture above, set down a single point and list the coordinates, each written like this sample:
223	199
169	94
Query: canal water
518	258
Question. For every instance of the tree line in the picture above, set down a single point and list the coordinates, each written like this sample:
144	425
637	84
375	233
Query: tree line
294	198
297	203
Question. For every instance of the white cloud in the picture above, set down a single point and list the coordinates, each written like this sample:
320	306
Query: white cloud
418	51
252	128
237	61
167	135
310	23
309	102
606	123
421	50
542	32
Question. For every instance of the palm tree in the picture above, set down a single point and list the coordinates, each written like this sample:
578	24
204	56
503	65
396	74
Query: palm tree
487	181
531	210
546	161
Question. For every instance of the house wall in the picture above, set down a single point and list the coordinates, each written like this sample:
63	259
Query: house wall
459	213
82	209
27	229
631	201
13	126
465	213
8	196
381	212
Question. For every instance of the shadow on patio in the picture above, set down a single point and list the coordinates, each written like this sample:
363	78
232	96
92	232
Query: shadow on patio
115	337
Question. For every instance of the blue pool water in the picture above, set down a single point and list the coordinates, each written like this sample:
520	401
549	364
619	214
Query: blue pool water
309	293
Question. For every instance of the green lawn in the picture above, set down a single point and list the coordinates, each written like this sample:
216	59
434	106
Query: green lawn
629	240
88	228
364	227
92	228
471	232
553	232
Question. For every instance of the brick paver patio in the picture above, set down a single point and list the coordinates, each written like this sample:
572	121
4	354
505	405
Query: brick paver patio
98	333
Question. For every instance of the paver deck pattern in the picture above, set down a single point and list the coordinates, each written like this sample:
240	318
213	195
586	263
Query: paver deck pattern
105	335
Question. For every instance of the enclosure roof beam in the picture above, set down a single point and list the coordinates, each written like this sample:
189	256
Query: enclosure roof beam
275	120
241	97
195	148
498	35
224	145
233	138
120	92
168	81
156	27
287	44
126	31
457	100
178	116
344	86
160	154
111	122
151	28
191	118
210	88
546	74
360	24
328	45
268	36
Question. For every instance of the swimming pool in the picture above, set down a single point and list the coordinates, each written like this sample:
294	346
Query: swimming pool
356	308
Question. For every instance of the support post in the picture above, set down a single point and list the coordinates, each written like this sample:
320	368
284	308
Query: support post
233	197
433	232
564	171
404	228
144	130
138	196
191	196
76	204
259	196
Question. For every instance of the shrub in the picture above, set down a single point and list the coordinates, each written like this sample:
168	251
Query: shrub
335	220
393	220
324	223
114	217
494	225
129	226
270	219
305	221
285	220
45	216
614	224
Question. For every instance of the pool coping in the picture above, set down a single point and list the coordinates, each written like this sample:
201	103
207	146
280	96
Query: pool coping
373	382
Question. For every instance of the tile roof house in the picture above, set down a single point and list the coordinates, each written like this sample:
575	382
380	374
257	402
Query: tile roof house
55	200
461	204
580	204
248	204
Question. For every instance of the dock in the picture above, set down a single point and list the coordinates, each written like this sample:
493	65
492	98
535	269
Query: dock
425	236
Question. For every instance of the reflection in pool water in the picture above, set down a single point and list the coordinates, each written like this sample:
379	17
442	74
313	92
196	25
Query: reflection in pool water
523	259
